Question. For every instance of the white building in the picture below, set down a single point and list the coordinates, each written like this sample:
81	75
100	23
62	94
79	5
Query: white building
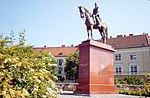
132	54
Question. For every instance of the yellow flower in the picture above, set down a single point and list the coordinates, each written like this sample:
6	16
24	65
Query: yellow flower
19	64
6	60
12	93
8	96
24	92
1	74
3	92
9	59
18	93
14	60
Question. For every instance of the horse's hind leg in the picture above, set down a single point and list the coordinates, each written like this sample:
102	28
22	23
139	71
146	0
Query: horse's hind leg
104	39
106	32
91	35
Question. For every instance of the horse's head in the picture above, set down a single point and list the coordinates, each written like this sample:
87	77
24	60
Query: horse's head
82	11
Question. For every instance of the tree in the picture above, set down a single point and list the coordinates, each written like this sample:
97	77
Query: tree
71	68
24	73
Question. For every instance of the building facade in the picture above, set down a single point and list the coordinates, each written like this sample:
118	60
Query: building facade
132	61
132	56
60	54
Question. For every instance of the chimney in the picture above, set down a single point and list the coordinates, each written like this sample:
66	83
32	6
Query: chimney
62	45
119	35
130	34
145	33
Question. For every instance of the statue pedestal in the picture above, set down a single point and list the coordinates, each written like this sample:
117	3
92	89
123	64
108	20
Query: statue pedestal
96	70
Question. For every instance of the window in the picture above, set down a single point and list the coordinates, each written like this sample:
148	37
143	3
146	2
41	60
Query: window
133	56
118	70
59	77
133	69
60	62
60	70
118	57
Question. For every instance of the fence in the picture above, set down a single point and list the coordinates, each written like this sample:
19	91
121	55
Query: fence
72	86
68	86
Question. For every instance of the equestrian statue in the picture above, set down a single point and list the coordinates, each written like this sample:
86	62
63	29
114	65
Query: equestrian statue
93	21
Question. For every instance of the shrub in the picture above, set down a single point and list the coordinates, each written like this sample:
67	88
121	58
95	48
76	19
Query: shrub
133	80
24	73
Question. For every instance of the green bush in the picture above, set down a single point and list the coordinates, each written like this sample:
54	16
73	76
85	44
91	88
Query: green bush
133	80
134	90
143	92
24	73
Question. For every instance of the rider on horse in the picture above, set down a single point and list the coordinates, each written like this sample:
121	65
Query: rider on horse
94	22
96	16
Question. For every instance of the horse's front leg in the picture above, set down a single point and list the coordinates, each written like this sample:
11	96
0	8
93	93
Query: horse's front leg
99	29
91	32
88	33
92	35
101	33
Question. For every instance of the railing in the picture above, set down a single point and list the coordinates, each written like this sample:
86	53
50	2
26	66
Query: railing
129	87
67	86
72	86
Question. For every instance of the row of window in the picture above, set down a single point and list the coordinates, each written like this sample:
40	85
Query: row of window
118	69
133	69
132	56
118	57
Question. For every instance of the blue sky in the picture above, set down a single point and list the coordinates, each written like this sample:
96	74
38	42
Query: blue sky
57	22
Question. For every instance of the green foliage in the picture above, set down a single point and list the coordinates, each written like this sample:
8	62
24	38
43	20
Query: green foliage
132	79
147	78
135	90
23	73
71	68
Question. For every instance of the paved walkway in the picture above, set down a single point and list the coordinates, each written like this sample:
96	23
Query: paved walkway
69	94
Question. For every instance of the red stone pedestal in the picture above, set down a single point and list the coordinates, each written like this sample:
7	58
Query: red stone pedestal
96	70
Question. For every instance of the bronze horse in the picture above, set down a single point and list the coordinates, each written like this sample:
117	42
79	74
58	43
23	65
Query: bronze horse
90	24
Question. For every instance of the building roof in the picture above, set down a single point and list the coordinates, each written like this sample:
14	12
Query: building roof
120	42
129	41
58	51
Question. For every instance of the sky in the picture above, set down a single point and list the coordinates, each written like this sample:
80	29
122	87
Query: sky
57	22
